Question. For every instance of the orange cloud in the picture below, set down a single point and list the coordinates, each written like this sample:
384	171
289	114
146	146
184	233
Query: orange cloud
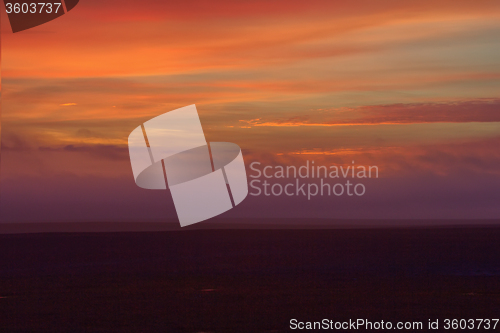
117	38
457	112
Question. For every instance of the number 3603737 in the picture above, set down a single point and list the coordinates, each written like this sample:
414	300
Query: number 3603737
32	8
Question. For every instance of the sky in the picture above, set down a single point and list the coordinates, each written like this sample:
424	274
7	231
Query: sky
412	87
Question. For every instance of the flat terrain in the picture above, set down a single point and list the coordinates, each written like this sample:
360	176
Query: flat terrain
245	280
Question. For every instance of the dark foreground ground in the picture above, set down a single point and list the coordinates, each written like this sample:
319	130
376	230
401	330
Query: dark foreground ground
245	280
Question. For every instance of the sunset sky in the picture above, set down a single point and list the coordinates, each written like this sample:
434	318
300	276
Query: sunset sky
410	86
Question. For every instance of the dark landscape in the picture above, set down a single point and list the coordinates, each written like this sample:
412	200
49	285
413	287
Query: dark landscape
245	280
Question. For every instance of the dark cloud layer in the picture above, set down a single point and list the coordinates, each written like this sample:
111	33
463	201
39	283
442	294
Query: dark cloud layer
487	110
